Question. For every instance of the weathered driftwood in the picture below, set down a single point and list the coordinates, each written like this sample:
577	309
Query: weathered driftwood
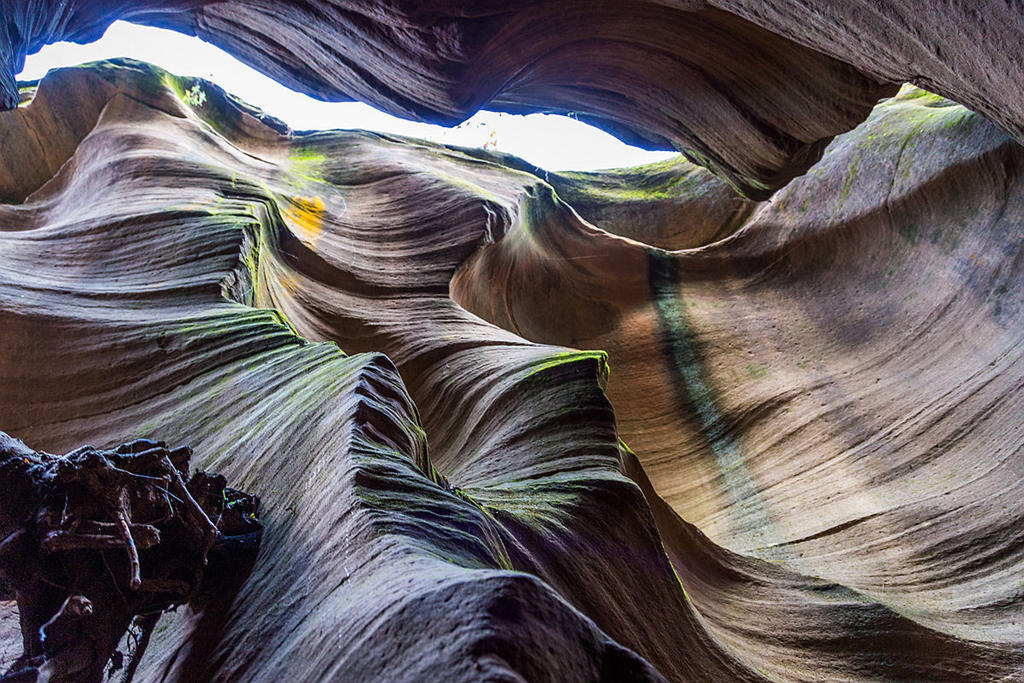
95	539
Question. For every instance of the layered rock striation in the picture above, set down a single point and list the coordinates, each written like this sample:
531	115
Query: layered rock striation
752	89
514	425
753	105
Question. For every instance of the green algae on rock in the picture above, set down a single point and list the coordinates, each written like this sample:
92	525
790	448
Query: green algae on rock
202	272
753	106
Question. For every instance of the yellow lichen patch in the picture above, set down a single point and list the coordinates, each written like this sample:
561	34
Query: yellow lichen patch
305	215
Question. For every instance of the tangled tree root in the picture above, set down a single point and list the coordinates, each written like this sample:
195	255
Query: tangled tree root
94	539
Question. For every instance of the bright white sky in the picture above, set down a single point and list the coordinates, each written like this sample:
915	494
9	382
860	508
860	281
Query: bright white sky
552	142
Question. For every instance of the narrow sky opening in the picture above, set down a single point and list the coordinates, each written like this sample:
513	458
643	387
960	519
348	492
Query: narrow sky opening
552	142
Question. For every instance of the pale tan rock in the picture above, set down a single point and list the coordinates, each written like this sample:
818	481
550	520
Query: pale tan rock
828	391
755	107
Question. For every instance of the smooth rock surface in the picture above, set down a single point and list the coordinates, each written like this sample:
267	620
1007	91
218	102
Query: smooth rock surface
751	88
838	383
826	389
754	106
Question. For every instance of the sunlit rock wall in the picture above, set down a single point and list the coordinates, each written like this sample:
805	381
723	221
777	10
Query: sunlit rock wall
753	89
613	426
751	104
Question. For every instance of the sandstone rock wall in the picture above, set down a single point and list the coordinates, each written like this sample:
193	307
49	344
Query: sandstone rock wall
509	424
825	387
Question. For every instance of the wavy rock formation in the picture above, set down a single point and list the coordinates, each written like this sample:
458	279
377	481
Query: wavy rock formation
837	383
752	89
756	107
825	387
968	50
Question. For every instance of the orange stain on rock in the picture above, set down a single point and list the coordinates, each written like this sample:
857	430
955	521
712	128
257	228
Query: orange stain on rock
306	216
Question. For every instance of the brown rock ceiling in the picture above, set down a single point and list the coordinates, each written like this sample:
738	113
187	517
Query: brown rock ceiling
753	90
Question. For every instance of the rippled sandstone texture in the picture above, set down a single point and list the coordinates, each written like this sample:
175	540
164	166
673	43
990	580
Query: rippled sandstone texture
751	104
803	465
753	89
